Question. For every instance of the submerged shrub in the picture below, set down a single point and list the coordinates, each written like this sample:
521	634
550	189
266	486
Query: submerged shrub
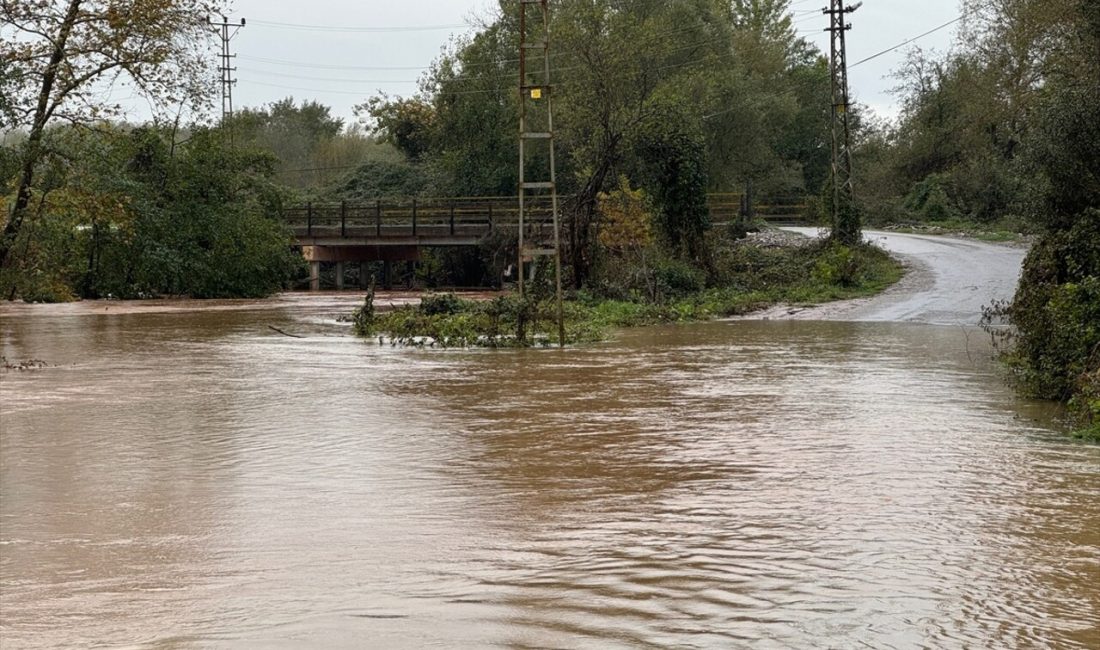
443	303
363	318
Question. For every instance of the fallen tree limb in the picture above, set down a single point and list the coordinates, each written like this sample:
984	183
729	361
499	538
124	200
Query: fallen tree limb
293	336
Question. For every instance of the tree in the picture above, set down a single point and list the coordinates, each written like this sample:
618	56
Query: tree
66	52
8	76
207	222
671	155
678	96
966	116
624	61
407	124
301	136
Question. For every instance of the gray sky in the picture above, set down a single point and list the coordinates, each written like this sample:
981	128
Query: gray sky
340	52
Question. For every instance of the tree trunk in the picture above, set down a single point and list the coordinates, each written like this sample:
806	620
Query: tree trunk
584	216
33	150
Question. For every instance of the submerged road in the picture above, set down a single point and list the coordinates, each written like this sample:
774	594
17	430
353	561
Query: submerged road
948	282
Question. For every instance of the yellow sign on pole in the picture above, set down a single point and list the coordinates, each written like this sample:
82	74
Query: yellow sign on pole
536	93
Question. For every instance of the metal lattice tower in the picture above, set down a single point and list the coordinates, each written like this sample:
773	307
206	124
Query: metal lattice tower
535	90
226	69
842	155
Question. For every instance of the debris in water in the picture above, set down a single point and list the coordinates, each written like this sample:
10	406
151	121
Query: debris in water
29	364
293	336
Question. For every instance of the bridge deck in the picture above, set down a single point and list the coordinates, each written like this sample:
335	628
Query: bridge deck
459	221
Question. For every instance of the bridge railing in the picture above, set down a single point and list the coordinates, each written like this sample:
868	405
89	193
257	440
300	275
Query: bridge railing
463	217
411	217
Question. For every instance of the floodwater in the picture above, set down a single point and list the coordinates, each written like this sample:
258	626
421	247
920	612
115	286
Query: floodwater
193	479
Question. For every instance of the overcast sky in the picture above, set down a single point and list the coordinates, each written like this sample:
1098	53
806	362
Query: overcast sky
340	52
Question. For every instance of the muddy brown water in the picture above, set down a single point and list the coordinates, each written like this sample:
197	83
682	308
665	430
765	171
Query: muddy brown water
192	479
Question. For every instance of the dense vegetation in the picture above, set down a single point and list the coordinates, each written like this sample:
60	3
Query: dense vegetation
678	98
751	277
669	99
1005	132
133	213
95	208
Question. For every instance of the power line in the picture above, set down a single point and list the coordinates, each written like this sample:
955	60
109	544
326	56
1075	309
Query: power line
910	40
328	79
282	62
327	66
344	28
873	56
460	77
358	93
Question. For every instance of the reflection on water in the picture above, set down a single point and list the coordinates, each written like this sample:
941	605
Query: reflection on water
196	480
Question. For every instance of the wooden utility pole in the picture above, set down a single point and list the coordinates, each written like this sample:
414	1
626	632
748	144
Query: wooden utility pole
535	89
845	219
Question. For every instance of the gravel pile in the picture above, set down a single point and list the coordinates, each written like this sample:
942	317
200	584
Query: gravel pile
772	238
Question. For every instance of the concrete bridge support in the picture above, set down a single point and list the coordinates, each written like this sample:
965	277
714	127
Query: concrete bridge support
341	254
314	276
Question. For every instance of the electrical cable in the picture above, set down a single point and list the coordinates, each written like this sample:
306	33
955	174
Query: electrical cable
338	28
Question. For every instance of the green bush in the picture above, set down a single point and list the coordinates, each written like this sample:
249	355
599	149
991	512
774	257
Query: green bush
443	303
1056	310
134	215
929	199
1085	404
677	278
839	265
378	179
756	278
756	268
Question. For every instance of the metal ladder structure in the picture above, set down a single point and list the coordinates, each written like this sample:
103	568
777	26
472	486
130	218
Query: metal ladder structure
535	88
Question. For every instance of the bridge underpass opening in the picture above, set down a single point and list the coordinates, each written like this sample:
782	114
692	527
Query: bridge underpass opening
363	255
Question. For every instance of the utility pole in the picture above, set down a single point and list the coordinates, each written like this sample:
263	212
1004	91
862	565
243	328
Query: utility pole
535	93
846	222
226	69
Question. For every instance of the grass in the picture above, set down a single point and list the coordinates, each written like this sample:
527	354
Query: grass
1007	230
746	279
1089	434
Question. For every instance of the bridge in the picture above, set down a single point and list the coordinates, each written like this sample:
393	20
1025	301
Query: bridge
395	230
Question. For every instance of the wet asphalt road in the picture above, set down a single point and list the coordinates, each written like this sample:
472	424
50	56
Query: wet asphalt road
949	281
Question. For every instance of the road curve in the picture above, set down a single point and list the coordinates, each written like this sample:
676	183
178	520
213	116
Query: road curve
948	282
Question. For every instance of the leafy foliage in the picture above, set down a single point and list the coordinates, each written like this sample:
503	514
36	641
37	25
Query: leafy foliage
129	214
1045	65
1057	310
377	179
679	97
312	148
627	222
509	321
67	50
408	124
